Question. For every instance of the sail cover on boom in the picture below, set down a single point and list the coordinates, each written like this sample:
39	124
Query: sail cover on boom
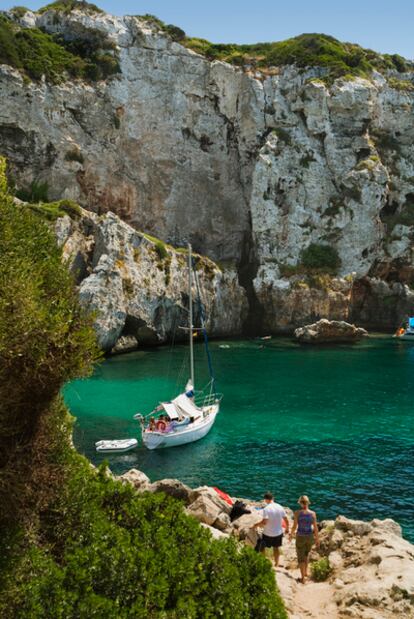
186	406
170	410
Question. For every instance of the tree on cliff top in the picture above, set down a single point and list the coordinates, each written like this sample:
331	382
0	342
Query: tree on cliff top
74	543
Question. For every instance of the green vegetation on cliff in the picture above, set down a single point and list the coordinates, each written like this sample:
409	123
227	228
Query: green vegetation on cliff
37	53
93	57
66	6
305	50
74	542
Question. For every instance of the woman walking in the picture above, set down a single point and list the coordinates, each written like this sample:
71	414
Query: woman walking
306	529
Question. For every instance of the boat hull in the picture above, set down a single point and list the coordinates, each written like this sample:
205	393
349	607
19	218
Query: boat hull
408	336
196	431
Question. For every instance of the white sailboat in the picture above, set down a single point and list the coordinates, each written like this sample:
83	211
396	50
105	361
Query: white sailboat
190	415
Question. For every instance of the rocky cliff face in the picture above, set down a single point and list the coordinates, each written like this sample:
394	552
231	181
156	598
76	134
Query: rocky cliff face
138	287
251	167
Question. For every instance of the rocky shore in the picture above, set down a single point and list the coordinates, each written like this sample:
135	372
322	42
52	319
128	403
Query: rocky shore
371	565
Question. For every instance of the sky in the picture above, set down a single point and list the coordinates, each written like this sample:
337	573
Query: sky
383	25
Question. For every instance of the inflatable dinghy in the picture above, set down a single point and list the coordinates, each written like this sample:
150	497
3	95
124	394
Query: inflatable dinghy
119	446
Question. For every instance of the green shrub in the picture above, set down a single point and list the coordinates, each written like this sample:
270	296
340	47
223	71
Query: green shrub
37	53
19	11
402	85
53	210
283	135
118	554
37	192
74	155
67	6
45	340
176	33
321	257
321	569
305	50
161	250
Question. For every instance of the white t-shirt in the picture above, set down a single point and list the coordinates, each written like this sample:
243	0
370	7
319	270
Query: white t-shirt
274	514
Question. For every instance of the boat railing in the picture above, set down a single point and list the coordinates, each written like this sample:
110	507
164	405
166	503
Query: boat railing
201	399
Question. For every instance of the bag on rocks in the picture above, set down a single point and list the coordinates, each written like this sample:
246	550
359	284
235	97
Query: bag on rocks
239	508
259	544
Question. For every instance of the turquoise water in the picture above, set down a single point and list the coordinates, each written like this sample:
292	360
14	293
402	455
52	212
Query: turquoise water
333	423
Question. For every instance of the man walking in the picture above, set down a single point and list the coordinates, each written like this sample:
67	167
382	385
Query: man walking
273	517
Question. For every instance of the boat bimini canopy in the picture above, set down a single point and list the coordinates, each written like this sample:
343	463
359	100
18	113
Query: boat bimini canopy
181	406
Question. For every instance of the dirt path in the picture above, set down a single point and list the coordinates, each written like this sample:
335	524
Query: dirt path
311	601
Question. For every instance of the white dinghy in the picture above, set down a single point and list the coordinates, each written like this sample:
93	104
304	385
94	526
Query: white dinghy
117	446
190	415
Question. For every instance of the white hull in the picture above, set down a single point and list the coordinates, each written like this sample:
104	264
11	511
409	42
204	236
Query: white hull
189	434
408	336
118	447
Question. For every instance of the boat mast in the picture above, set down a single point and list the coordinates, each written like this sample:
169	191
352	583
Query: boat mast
190	315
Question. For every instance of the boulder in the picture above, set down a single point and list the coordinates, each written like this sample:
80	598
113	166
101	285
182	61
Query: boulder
137	478
242	527
336	560
329	331
357	527
211	494
336	540
387	526
222	522
174	488
215	533
126	343
204	510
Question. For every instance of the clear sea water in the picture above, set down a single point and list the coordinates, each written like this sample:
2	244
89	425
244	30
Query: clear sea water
334	423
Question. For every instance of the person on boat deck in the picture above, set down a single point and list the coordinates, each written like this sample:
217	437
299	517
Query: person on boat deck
274	516
306	528
151	426
162	423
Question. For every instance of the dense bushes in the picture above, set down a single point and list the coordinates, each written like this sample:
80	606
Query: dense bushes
38	53
305	50
45	338
321	257
74	543
109	553
66	6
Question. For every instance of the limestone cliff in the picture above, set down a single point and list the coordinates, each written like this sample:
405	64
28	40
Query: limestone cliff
251	166
138	287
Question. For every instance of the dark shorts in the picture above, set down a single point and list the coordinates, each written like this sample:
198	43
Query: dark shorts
269	542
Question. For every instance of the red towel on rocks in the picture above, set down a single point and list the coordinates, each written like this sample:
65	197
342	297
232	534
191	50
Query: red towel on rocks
223	495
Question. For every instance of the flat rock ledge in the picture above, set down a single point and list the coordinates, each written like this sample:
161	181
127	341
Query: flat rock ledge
329	331
372	566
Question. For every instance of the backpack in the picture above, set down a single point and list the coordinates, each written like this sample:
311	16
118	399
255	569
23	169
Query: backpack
239	508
